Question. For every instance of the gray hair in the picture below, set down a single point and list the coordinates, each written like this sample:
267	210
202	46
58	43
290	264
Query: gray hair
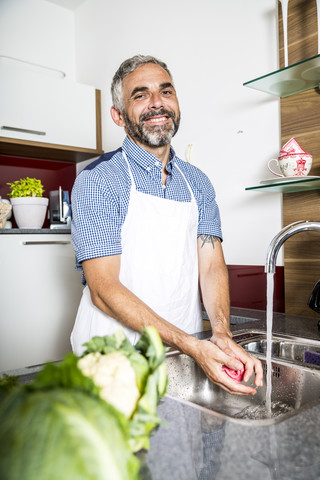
129	66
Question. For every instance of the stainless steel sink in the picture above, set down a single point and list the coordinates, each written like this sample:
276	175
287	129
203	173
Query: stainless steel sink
295	387
291	349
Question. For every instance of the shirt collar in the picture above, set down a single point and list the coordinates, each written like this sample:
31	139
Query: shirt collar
145	159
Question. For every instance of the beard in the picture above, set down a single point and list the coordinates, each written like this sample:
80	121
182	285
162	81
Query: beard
153	135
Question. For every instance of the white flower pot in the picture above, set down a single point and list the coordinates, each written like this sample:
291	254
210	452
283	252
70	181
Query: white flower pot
29	212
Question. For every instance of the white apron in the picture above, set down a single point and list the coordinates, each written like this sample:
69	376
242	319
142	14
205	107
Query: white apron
159	264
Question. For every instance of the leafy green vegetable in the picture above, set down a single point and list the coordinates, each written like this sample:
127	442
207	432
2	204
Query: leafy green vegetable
115	376
151	346
26	187
7	382
66	374
109	343
118	342
62	425
145	418
147	358
62	434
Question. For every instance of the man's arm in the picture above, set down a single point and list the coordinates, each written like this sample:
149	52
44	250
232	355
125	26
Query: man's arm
214	285
113	298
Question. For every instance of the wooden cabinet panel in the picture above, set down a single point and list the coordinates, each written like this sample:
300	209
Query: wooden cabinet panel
301	252
302	31
300	118
300	278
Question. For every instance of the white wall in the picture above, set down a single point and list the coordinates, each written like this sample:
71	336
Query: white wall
211	48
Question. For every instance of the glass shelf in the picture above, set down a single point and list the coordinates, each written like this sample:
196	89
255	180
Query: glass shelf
293	79
285	186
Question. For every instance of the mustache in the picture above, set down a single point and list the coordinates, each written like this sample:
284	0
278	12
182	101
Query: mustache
162	111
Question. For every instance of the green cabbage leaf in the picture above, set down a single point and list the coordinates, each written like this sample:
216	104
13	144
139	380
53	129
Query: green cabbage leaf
60	426
62	434
147	358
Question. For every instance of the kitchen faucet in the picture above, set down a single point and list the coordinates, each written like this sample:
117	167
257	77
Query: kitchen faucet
282	236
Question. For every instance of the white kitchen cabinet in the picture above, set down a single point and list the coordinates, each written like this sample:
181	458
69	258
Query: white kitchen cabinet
40	294
45	115
36	107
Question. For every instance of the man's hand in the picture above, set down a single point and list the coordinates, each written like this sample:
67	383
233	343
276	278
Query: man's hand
222	350
250	363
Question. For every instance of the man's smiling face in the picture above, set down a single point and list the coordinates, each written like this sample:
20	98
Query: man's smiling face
151	109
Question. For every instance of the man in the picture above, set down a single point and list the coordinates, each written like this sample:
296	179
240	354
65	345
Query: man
146	232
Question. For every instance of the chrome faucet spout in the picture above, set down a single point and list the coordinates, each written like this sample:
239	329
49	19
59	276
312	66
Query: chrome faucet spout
282	236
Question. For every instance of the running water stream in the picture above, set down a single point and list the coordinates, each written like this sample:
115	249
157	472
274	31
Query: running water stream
267	409
269	341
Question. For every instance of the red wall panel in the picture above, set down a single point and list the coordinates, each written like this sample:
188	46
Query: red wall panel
52	174
248	287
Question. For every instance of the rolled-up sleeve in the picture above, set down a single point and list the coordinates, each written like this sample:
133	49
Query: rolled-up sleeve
209	215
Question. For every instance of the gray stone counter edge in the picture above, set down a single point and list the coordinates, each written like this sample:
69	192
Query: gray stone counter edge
16	231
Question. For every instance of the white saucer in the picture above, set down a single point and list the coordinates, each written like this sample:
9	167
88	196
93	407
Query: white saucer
286	179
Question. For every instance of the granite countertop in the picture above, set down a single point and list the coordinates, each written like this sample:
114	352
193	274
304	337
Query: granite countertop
192	444
195	445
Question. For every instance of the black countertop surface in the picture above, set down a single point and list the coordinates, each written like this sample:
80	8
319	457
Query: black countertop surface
193	444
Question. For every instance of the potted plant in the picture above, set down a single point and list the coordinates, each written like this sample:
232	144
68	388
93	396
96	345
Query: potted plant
29	206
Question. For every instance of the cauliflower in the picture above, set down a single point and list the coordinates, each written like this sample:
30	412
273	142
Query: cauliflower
116	377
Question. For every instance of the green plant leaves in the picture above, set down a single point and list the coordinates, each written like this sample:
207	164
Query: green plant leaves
26	187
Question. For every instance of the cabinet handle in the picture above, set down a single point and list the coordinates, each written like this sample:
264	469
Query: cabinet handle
22	130
53	242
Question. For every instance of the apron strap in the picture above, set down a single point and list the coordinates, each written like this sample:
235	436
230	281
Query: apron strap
134	186
190	189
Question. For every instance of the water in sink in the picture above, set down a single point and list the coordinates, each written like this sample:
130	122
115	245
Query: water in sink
274	410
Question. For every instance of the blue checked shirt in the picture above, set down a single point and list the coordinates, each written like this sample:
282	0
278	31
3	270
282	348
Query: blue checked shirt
100	198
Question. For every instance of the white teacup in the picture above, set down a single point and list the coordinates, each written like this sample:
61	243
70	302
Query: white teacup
292	165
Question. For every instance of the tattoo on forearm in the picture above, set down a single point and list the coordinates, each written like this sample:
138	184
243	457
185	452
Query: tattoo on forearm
208	239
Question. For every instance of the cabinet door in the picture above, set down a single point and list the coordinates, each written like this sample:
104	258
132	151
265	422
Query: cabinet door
40	294
23	106
71	118
39	108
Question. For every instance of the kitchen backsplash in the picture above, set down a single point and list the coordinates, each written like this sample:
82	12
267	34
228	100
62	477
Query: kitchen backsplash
248	287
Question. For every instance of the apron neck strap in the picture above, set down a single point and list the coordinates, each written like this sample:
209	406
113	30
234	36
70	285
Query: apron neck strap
129	169
190	189
133	184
